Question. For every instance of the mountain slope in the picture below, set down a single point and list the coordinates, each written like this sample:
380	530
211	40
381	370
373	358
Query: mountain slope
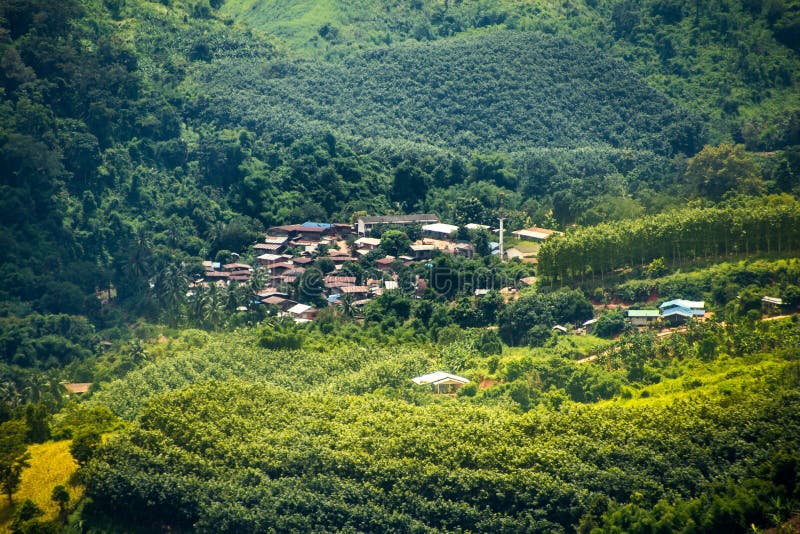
500	91
735	62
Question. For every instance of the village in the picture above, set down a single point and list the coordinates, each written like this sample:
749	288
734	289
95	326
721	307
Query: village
329	249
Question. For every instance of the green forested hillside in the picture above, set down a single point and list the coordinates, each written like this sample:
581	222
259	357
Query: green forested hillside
692	439
735	62
147	146
500	91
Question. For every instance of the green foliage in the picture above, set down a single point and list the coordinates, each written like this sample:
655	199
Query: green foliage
610	325
61	497
13	456
528	320
439	87
753	225
84	446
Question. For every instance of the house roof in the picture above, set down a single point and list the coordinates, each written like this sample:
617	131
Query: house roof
691	304
236	267
274	299
299	228
388	260
440	377
78	387
772	300
643	313
473	226
391	284
297	309
303	260
369	241
400	219
678	310
273	247
276	240
589	322
514	253
354	289
560	328
270	257
534	232
422	248
324	226
440	228
330	279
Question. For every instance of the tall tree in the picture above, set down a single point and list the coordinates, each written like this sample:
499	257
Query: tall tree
13	456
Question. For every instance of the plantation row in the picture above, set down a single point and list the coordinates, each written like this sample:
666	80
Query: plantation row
243	457
770	225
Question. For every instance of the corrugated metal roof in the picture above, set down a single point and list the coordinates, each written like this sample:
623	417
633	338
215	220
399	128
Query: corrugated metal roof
644	313
691	304
440	377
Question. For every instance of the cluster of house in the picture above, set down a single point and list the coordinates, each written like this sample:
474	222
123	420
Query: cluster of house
672	312
288	250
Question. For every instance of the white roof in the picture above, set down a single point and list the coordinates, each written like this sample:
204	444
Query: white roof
589	322
368	241
390	284
473	226
691	304
421	248
440	377
297	309
440	228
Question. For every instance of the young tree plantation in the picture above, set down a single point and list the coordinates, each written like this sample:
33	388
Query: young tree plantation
380	266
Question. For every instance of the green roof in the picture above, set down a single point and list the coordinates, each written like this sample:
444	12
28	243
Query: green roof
643	313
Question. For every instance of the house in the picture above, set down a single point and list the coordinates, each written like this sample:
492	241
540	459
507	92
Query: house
464	249
237	267
385	264
270	259
391	285
677	315
268	248
512	254
588	326
473	226
302	312
534	233
355	291
771	304
78	388
439	230
299	232
442	382
696	305
280	268
302	260
421	252
560	329
282	303
367	243
643	317
276	239
680	310
271	292
364	225
333	281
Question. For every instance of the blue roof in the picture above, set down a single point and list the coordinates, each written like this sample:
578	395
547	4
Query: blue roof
682	303
678	310
313	224
333	298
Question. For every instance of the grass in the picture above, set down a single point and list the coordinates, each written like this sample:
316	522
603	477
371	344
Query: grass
51	465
